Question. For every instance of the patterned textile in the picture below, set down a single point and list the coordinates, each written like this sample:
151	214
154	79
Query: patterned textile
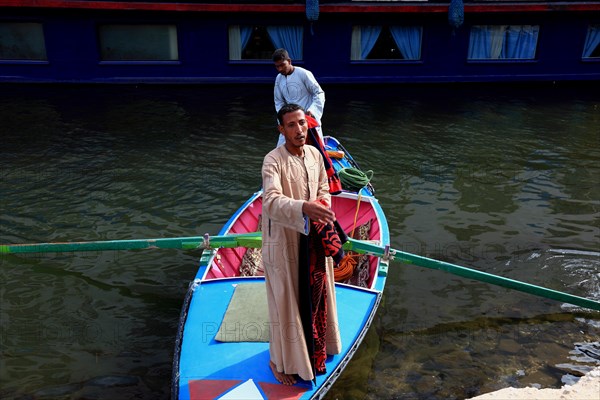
251	264
313	298
331	241
361	274
318	285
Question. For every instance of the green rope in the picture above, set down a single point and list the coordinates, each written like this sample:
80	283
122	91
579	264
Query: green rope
354	179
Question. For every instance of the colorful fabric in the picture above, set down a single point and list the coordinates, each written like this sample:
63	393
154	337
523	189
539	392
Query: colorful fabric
251	264
323	242
361	275
319	302
330	241
335	184
313	298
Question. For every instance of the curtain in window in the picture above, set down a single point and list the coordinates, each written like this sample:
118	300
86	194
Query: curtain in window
479	43
486	41
503	42
592	41
363	40
520	42
408	39
289	38
238	39
497	33
355	43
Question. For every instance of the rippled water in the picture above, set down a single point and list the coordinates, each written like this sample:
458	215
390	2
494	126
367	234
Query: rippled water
502	179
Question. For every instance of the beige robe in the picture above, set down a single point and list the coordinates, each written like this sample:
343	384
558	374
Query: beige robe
288	181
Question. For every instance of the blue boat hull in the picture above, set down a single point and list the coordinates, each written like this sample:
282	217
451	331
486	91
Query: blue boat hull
205	368
209	366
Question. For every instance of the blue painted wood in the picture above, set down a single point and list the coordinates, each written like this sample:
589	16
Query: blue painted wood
202	357
204	58
198	356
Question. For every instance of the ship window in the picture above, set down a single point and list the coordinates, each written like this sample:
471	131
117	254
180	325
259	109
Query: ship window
591	49
252	42
503	42
22	41
138	43
386	42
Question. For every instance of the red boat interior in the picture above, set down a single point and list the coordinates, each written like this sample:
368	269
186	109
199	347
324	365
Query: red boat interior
355	215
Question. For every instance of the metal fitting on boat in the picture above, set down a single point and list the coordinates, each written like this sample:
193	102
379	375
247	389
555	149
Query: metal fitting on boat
388	253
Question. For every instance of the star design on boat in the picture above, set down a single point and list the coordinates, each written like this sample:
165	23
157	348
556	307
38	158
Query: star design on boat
242	390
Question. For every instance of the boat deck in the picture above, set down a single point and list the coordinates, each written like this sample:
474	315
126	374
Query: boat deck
241	369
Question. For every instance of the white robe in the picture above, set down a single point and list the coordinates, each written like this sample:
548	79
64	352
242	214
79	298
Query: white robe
300	87
288	181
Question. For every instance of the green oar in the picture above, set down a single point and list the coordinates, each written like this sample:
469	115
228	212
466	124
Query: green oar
254	239
408	258
234	240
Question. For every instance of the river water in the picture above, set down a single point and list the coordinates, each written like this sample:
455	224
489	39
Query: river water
504	179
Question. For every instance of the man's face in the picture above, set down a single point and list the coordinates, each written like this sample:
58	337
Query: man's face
294	128
284	67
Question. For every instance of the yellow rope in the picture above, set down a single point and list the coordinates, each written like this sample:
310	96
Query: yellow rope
356	214
345	268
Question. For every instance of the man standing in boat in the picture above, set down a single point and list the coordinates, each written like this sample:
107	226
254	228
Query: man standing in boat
296	199
296	85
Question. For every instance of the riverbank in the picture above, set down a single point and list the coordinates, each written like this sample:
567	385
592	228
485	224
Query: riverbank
586	388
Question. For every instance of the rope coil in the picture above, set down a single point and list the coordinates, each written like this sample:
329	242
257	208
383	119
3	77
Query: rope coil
354	179
345	269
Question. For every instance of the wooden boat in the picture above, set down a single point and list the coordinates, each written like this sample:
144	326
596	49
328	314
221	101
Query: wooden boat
220	355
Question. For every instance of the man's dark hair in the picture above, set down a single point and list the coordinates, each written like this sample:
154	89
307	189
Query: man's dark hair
280	54
287	108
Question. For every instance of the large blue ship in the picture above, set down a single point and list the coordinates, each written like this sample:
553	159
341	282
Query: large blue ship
103	41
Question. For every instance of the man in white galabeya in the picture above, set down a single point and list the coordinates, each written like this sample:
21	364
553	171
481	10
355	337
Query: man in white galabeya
296	85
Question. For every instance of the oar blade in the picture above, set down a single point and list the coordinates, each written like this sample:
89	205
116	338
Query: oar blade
408	258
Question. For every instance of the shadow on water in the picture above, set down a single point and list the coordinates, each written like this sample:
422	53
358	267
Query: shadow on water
504	179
